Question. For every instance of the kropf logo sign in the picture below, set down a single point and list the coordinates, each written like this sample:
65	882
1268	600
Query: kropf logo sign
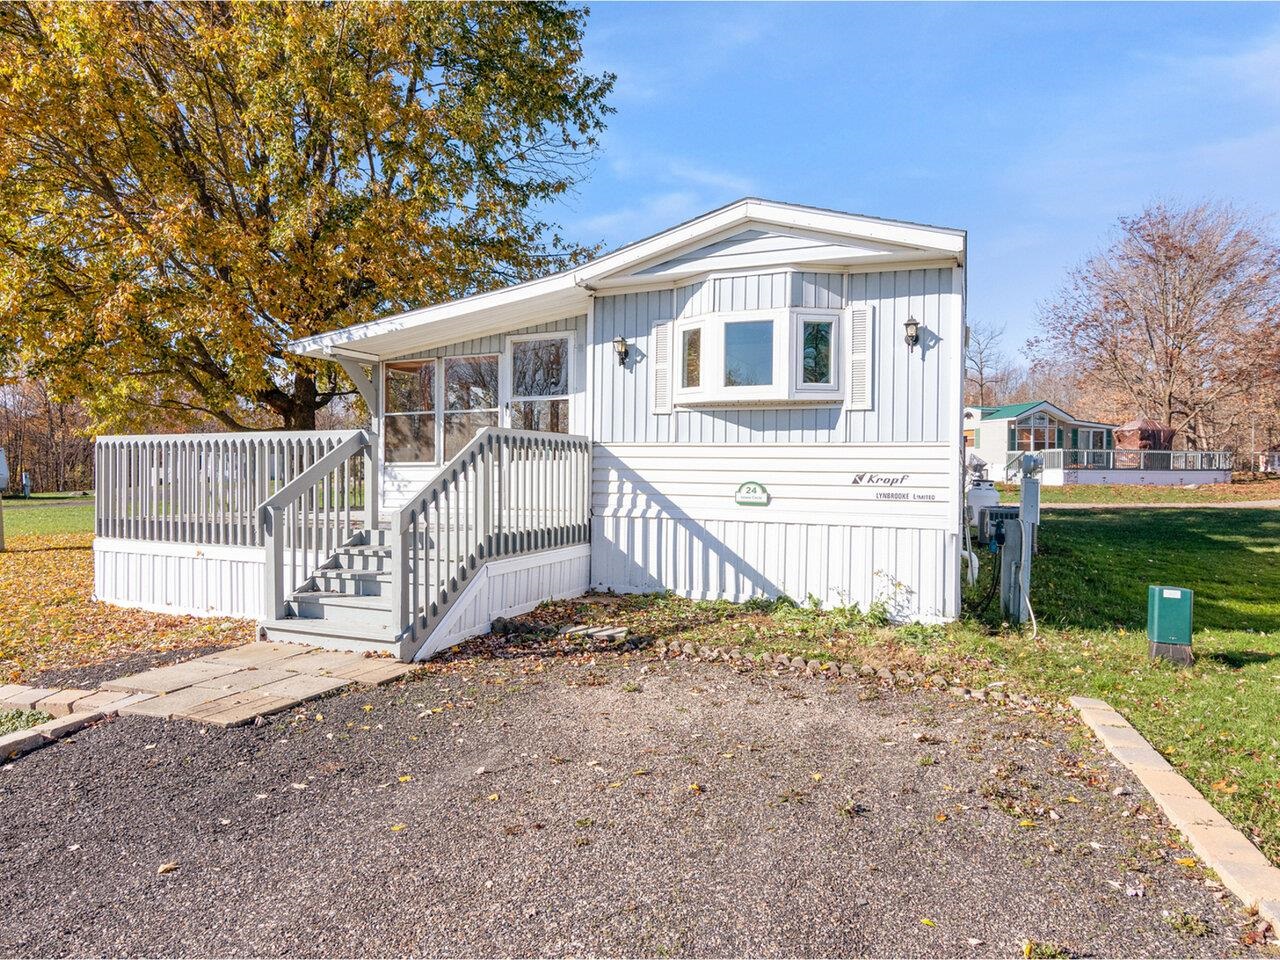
879	479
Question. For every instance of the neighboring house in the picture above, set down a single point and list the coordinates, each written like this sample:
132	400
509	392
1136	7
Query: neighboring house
1079	451
764	400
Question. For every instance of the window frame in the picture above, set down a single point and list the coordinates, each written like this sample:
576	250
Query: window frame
437	400
506	374
444	412
682	331
788	359
799	317
778	350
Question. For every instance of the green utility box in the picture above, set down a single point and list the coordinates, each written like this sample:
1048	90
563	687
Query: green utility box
1169	622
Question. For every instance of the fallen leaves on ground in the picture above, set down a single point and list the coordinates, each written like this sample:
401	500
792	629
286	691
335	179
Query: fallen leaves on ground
48	619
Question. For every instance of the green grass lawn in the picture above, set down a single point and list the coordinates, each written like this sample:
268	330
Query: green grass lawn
1219	721
1234	492
22	518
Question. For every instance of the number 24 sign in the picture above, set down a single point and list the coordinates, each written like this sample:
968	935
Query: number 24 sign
751	494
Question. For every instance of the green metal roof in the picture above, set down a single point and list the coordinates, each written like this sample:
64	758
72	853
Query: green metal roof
1009	411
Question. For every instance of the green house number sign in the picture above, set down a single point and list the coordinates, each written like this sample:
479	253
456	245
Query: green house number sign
751	494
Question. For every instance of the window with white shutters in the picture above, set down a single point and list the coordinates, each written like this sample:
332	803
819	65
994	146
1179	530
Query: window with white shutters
660	358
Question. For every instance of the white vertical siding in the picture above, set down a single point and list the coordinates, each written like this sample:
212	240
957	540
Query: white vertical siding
184	578
817	290
757	291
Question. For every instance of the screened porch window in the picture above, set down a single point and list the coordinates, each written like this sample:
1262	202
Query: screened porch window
540	384
410	422
470	399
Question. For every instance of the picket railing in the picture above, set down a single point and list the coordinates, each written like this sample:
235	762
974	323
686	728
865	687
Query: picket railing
507	492
1178	460
204	488
1175	460
311	516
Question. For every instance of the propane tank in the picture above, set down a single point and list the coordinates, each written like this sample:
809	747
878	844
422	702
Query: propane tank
979	491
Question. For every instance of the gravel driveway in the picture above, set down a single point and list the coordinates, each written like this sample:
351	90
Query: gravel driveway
612	804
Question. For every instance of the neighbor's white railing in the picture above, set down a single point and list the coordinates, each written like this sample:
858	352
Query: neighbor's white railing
507	492
201	488
1176	460
314	514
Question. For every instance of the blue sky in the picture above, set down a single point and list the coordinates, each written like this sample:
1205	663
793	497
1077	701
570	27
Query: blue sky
1032	126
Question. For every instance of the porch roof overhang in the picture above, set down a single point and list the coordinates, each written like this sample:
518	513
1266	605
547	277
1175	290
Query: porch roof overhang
835	240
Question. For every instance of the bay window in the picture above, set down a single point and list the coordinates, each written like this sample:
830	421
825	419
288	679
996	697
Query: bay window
759	357
691	358
816	343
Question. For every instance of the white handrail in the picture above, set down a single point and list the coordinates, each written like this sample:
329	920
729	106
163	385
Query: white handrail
507	492
313	515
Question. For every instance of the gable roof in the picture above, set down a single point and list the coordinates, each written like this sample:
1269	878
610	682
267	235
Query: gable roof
1011	410
730	237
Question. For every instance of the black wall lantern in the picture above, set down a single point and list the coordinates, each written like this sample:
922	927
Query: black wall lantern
622	350
912	327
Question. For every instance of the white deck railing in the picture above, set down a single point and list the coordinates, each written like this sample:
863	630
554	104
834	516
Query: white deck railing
507	492
1177	460
204	488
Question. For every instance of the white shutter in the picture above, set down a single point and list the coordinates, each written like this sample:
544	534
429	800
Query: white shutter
859	395
660	387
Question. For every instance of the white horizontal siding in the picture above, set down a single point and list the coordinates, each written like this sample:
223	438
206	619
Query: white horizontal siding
913	572
804	481
664	518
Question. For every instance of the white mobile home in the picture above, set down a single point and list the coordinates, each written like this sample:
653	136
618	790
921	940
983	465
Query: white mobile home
763	400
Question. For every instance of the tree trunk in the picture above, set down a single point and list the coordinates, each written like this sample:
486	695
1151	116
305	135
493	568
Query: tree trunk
302	414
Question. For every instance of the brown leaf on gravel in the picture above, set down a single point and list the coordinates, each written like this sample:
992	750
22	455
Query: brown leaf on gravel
166	868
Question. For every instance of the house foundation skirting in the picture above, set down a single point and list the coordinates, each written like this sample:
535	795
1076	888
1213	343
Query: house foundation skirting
206	580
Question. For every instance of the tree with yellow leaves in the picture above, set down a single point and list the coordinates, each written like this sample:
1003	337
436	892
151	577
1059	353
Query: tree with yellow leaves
185	187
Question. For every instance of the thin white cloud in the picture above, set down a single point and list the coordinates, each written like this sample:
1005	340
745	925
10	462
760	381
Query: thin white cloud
722	180
648	215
